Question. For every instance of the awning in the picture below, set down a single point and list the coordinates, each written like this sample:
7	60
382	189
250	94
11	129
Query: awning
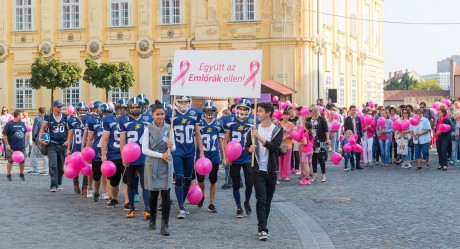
278	87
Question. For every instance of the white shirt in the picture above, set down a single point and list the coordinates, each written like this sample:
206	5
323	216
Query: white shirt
266	133
146	146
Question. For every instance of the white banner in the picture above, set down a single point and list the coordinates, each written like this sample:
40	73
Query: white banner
217	73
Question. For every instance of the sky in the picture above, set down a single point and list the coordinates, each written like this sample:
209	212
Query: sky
419	47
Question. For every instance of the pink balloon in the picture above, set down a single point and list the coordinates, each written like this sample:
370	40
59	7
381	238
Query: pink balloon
233	110
352	141
381	121
194	194
336	158
87	170
320	109
88	154
29	128
238	99
288	103
415	121
357	148
445	128
68	160
294	105
360	114
347	147
108	168
296	135
111	105
17	156
277	114
405	124
70	109
396	126
89	103
355	136
371	104
336	116
10	118
2	149
341	138
436	105
233	151
335	126
275	98
131	152
394	119
70	171
203	166
282	105
368	120
77	161
304	111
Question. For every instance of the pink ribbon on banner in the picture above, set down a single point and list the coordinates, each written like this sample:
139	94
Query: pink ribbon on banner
184	67
254	68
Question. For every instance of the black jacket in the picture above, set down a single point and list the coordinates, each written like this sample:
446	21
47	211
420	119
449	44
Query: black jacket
272	146
348	125
322	128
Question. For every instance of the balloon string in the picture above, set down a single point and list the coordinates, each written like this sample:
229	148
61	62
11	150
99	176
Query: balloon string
119	187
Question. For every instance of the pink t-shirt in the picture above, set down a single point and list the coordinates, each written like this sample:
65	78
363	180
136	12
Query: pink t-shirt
309	146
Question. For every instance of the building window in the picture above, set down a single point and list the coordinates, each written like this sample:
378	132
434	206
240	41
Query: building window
119	13
342	91
354	14
366	22
166	88
118	93
244	10
328	85
70	14
170	11
377	27
327	16
341	14
23	15
369	90
24	97
71	95
354	97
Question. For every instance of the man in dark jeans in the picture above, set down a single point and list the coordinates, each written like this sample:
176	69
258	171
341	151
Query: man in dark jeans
267	140
55	124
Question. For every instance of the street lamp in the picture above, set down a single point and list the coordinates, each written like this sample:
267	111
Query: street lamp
169	68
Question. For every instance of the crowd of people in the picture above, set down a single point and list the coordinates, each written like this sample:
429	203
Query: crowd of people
172	139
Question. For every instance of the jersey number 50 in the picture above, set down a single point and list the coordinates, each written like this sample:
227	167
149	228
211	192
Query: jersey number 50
184	134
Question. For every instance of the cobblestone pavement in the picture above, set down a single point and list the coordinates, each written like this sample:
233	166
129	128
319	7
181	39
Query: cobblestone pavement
381	208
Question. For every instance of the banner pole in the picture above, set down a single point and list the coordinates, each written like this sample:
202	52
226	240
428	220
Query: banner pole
171	136
255	125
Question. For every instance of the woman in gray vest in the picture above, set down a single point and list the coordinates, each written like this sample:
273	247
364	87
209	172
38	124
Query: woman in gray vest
158	172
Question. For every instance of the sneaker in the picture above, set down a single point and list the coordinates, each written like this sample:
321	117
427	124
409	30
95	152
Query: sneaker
105	196
239	213
408	166
84	191
277	182
137	198
89	193
146	215
404	166
247	208
53	189
21	177
308	182
200	204
59	187
294	171
96	197
33	172
8	177
109	200
225	187
347	169
131	214
303	182
298	172
263	235
444	167
76	188
112	204
212	209
159	208
187	212
181	214
127	208
43	173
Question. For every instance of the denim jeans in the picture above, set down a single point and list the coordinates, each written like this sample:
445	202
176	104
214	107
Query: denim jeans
455	146
385	150
56	156
422	151
228	177
264	186
407	157
34	159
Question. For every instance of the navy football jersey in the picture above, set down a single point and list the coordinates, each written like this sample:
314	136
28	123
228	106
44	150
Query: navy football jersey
76	124
211	134
94	125
134	129
56	128
184	130
238	131
15	132
109	124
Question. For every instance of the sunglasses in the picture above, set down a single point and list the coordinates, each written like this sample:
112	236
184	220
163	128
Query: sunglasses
405	113
310	110
59	106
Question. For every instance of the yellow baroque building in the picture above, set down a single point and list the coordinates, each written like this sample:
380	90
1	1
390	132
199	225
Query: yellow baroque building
308	45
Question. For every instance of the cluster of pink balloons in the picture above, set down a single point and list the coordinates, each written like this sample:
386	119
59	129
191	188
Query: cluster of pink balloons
233	151
352	145
401	125
203	166
194	194
75	163
446	102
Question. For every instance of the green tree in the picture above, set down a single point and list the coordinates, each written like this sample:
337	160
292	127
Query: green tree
428	85
53	74
109	75
406	82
